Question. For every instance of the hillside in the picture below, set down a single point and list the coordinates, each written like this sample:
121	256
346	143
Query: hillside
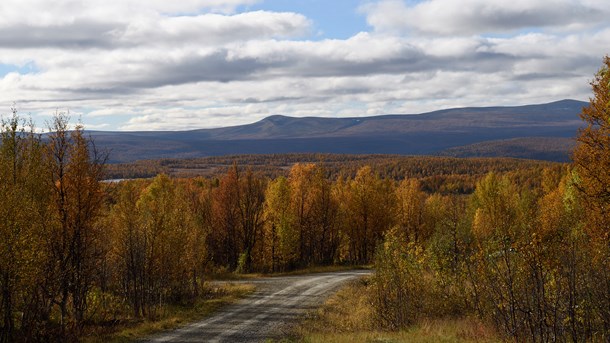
427	133
539	148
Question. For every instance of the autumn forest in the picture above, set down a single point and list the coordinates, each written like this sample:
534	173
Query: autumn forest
521	245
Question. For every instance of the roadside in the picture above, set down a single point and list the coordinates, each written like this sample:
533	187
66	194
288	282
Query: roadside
347	316
216	296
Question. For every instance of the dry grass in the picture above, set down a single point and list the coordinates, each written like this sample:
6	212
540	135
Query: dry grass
174	317
348	317
348	310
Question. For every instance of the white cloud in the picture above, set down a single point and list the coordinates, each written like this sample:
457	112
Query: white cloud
450	17
214	28
192	64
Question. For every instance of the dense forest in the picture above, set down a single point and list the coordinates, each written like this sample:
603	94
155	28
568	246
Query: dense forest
522	245
437	174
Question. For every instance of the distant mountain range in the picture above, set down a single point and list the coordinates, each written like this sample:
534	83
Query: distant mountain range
544	131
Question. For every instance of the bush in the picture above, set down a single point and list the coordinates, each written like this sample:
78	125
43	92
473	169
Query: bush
400	284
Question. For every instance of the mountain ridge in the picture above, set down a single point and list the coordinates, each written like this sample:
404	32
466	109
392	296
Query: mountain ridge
406	134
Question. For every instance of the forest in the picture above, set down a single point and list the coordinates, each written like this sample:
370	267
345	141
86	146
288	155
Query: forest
522	245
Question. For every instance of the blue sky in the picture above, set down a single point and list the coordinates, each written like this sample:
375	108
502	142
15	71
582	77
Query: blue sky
336	19
23	69
161	65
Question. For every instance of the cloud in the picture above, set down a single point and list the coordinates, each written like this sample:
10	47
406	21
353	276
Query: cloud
191	64
155	30
449	17
214	28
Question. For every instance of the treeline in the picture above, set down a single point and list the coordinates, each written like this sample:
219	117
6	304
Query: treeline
438	174
541	148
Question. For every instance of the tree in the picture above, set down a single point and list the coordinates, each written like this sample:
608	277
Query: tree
168	226
22	207
282	241
497	229
557	260
129	247
313	213
410	210
223	242
369	204
198	194
326	238
74	170
251	195
238	209
592	164
399	283
302	201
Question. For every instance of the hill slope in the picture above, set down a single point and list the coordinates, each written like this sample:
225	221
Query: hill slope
428	133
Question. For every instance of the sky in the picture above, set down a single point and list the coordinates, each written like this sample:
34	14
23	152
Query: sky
190	64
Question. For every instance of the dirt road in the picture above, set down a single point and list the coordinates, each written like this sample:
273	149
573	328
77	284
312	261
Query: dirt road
269	312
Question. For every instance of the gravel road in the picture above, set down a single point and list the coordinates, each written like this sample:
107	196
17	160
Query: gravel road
268	313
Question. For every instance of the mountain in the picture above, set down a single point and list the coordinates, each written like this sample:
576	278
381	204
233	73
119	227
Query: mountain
455	132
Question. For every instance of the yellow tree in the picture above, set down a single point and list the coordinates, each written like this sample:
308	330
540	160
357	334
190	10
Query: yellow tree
75	168
313	211
411	210
168	224
129	246
238	217
281	239
370	205
223	242
251	200
302	203
446	219
22	205
325	211
557	259
198	194
498	231
592	164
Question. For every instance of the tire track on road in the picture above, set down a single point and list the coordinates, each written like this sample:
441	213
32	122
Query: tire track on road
268	313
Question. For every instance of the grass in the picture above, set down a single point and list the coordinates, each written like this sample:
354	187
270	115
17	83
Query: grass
175	316
445	330
348	317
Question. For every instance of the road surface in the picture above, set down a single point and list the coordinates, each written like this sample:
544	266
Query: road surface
268	313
